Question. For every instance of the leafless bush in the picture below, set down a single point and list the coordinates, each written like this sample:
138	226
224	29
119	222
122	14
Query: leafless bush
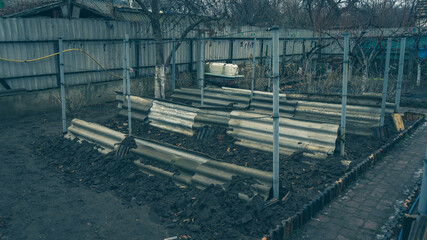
139	86
326	83
261	77
184	79
75	103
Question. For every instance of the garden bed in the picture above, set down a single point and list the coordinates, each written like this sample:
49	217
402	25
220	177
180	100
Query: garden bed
213	213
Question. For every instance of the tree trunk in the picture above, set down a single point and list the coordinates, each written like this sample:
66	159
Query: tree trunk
365	77
160	80
159	76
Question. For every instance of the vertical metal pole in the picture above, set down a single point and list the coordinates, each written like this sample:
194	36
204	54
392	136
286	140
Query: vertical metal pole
201	68
269	59
284	55
62	77
400	73
422	207
253	69
261	50
344	94
190	66
173	64
124	71
275	70
127	54
385	83
230	51
419	72
137	57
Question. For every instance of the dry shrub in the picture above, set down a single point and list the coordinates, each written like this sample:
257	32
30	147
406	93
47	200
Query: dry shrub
313	82
142	86
261	79
185	79
75	103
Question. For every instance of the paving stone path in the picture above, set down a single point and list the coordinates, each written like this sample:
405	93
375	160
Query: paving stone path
366	206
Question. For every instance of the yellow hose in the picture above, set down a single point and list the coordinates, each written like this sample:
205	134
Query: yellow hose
68	50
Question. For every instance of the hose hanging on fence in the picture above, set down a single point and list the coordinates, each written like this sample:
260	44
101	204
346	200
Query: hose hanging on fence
68	50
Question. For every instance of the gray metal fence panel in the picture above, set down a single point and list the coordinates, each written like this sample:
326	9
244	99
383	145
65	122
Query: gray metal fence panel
26	38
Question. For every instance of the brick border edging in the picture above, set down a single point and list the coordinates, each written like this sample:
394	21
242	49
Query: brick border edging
295	223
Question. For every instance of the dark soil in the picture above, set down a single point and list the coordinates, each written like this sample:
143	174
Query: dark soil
303	176
38	202
214	213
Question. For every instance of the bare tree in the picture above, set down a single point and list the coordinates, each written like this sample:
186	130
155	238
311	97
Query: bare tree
159	11
254	12
293	14
370	22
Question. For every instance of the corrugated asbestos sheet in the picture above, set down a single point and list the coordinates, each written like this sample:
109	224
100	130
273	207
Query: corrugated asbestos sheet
213	97
360	119
256	130
194	168
363	113
251	129
172	117
140	107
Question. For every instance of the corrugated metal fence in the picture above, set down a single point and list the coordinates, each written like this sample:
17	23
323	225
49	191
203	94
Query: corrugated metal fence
29	38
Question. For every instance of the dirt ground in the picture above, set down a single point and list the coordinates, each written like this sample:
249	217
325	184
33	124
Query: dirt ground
55	188
38	203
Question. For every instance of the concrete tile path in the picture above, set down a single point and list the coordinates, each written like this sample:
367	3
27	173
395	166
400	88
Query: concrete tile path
361	211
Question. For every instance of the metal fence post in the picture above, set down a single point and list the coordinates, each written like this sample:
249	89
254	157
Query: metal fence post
385	83
284	56
137	57
230	51
190	65
127	54
418	72
422	207
275	71
201	68
344	94
400	73
124	71
62	78
173	64
269	63
253	69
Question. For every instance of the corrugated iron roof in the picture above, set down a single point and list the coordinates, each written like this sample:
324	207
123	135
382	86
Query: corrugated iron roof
14	8
101	7
130	15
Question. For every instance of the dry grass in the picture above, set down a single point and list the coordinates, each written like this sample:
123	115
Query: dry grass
75	103
261	79
185	79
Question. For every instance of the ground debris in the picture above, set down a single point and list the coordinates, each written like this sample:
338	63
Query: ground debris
216	212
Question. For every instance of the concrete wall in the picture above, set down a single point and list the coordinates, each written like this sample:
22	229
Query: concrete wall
26	103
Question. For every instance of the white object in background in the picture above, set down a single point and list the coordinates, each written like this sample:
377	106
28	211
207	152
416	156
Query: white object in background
226	69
